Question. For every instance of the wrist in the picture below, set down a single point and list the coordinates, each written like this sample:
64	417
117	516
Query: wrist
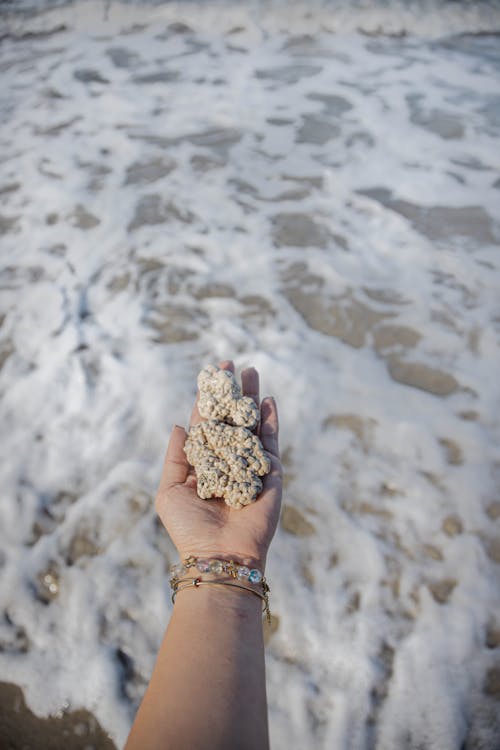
221	596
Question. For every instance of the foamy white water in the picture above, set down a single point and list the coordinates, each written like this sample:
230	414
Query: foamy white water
184	184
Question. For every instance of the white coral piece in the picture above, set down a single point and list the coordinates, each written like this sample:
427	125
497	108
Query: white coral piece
221	398
229	462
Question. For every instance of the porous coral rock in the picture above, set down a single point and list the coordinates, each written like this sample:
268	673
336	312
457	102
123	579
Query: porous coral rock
221	398
229	461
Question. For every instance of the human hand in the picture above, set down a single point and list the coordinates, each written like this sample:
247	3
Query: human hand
210	528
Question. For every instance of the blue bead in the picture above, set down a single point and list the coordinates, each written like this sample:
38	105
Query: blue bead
255	576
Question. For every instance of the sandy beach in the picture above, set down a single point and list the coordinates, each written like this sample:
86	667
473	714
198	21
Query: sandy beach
312	189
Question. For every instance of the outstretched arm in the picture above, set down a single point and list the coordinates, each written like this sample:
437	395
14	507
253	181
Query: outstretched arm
208	689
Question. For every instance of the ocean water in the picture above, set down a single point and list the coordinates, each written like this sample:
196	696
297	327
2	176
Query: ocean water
317	194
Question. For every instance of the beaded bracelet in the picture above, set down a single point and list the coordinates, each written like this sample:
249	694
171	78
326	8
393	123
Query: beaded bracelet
217	566
242	572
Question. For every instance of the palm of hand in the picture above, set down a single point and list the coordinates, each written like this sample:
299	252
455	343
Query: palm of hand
210	527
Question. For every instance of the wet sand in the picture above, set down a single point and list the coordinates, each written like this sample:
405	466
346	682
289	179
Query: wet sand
20	729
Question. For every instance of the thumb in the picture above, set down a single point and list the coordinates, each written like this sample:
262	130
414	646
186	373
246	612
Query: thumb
175	466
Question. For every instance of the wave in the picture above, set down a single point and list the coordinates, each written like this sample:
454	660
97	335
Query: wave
433	18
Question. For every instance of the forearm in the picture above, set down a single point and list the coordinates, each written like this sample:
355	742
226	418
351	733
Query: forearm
208	689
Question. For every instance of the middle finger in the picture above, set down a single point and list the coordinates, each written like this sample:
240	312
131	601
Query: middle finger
250	384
